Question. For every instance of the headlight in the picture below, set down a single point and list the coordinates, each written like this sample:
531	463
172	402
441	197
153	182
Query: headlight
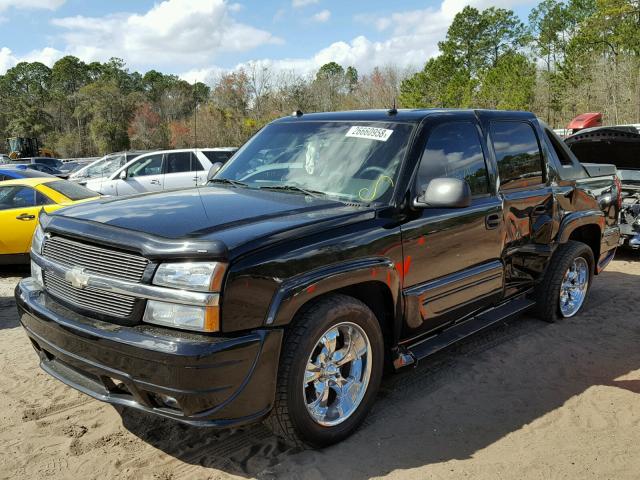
193	276
38	238
196	276
189	317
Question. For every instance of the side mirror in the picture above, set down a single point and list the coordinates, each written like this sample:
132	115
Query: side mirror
444	193
123	175
215	168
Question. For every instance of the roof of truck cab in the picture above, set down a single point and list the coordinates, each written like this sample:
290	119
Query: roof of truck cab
402	115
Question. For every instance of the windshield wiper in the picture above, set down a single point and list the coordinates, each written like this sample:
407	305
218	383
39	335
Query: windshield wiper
295	188
228	181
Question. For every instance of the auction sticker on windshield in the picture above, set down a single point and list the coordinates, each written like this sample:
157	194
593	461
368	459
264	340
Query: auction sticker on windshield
371	133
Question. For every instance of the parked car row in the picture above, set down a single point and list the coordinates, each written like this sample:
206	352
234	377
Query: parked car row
159	170
117	174
105	166
329	247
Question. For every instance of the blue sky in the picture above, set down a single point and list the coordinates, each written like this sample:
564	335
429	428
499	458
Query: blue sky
198	39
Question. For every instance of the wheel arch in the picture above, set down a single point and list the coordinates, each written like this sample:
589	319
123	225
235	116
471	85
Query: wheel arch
375	282
585	227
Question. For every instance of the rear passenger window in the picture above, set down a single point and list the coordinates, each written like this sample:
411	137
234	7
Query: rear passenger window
454	150
517	153
178	162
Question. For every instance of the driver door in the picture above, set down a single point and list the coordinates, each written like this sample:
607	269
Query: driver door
146	174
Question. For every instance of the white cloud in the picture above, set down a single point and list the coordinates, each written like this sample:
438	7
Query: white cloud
321	16
189	32
303	3
47	55
26	4
206	75
7	59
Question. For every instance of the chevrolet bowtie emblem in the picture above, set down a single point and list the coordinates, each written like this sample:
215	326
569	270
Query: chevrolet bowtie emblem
77	277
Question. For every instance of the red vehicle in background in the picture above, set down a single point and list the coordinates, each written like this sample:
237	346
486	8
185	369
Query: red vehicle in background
585	120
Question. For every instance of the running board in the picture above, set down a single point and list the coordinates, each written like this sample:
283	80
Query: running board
419	350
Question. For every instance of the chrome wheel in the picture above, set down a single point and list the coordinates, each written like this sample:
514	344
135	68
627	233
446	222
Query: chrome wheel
337	374
573	289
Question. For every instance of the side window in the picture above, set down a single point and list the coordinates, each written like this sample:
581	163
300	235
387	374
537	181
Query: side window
517	153
454	150
196	164
178	162
151	165
20	197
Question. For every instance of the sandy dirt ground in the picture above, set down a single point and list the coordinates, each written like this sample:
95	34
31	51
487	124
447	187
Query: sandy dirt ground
524	400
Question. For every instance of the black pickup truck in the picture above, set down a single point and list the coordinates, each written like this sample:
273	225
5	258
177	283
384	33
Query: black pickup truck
331	247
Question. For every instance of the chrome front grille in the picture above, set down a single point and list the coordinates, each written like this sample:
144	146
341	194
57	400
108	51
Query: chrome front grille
92	260
91	299
98	260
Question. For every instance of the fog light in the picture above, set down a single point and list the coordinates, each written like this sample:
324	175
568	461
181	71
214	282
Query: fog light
169	401
166	401
36	273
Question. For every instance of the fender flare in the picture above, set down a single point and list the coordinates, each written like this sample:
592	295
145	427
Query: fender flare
297	291
575	220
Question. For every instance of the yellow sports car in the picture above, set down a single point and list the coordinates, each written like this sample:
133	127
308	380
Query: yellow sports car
20	202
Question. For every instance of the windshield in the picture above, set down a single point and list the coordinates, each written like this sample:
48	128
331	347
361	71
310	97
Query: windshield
103	167
351	161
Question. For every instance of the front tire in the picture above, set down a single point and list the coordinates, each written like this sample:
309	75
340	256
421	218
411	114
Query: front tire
565	285
330	371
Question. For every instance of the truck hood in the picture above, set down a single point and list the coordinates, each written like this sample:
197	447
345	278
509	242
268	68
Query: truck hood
234	216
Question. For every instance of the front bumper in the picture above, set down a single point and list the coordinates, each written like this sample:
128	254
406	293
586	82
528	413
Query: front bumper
209	381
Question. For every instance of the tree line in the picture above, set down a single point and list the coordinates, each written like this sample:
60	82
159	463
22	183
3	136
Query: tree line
570	57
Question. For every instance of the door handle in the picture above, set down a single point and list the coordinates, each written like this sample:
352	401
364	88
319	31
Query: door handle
492	221
25	216
539	210
155	182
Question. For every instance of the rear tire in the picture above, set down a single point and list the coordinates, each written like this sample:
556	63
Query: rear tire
330	371
562	291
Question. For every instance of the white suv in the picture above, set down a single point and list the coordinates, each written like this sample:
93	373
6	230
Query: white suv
162	170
